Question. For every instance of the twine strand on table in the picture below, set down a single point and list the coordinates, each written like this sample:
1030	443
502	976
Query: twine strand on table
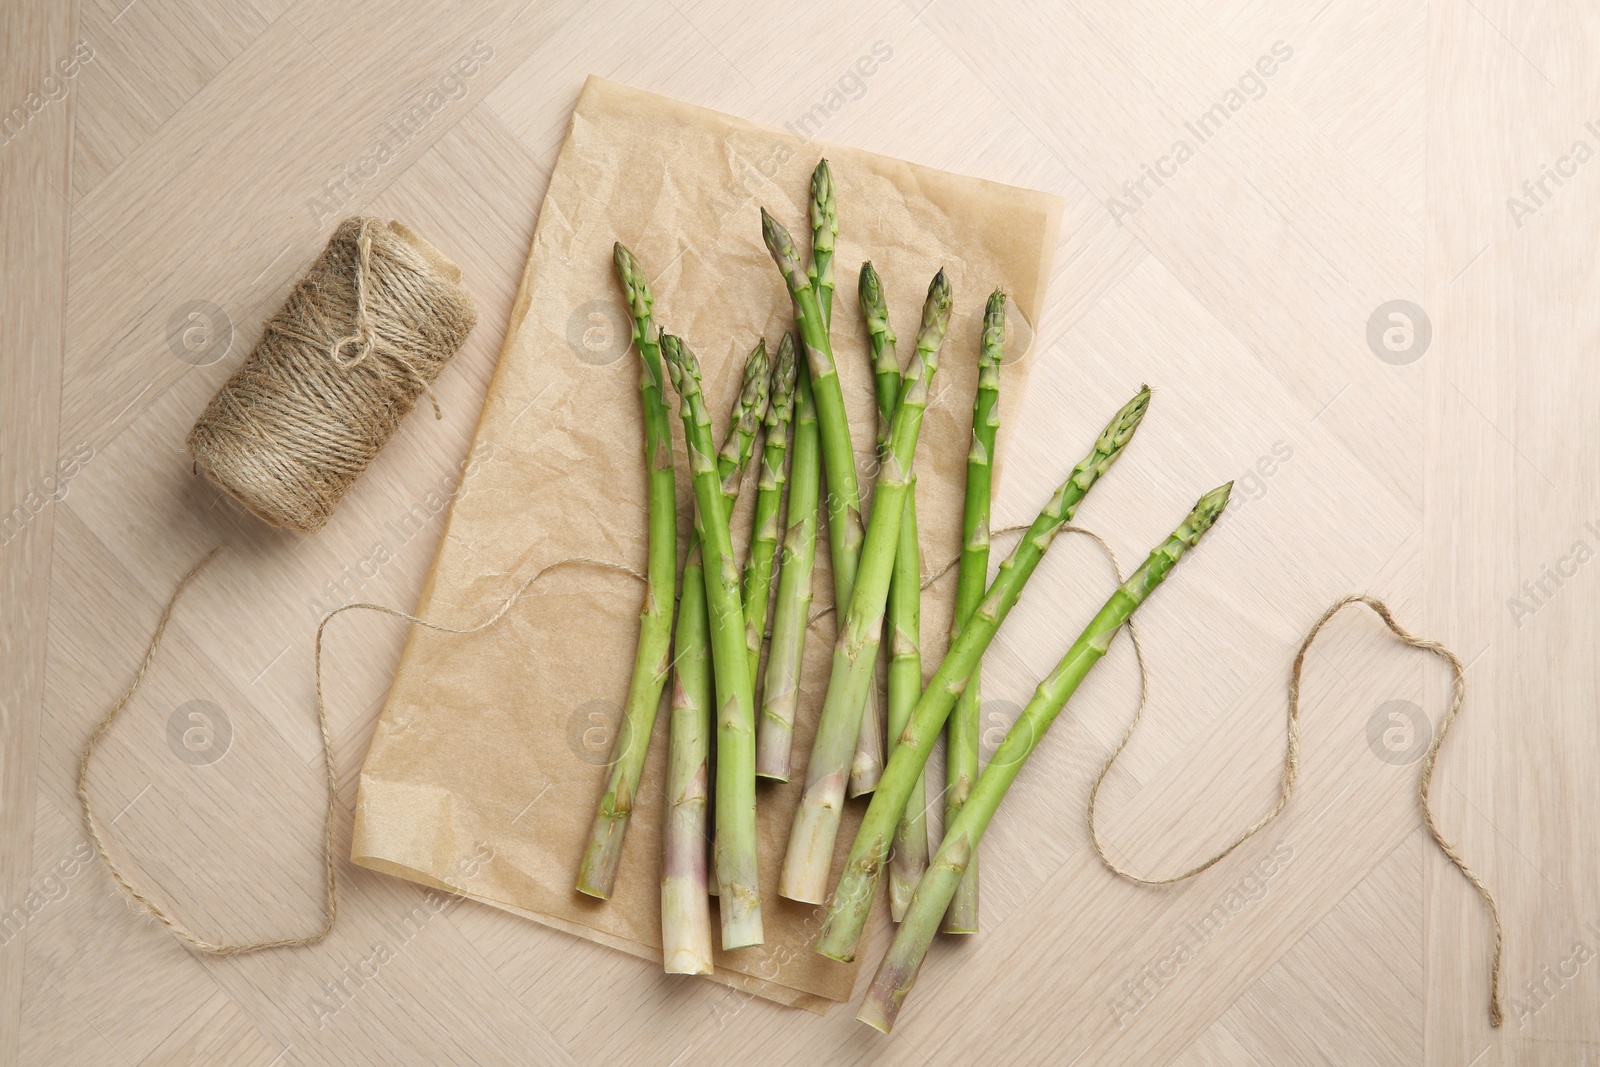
1291	758
330	884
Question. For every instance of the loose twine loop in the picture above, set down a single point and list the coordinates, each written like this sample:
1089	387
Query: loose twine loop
1291	754
1291	759
330	774
365	332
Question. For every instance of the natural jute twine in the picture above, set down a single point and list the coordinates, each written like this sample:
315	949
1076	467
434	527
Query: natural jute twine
331	781
1291	755
364	333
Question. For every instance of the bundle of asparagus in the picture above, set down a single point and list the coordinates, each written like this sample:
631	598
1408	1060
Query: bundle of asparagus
855	654
811	290
722	608
852	897
898	971
904	620
685	907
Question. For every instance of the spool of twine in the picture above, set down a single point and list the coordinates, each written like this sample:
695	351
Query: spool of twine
364	333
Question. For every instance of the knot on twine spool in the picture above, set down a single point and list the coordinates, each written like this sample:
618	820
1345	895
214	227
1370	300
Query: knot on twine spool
366	331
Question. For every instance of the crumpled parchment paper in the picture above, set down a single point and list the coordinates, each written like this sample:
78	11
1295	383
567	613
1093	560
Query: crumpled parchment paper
489	755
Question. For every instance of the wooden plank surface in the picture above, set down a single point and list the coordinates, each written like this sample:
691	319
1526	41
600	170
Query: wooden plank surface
35	222
1366	152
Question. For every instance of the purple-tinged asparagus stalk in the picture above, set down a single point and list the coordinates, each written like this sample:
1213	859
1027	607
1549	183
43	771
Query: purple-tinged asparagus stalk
736	855
685	878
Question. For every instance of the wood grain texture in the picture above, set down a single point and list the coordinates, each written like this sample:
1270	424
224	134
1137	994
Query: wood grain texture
35	178
199	159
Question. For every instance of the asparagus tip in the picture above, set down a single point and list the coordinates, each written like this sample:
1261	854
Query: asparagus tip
936	309
682	366
1206	511
785	369
1132	413
755	392
781	245
822	184
994	317
991	348
824	222
635	287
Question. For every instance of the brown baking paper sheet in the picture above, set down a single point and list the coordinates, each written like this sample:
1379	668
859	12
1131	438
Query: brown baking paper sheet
489	755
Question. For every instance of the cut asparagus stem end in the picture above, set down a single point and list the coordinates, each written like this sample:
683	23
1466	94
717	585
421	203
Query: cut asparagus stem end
598	873
741	919
689	949
804	877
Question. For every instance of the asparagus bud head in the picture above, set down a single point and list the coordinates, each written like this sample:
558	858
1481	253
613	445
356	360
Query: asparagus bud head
994	332
784	372
876	311
635	287
748	412
824	209
781	245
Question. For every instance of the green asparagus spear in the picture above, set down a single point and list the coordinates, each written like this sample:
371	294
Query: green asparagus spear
685	885
867	763
898	971
855	654
847	911
909	857
838	454
792	610
769	496
961	736
597	872
749	412
824	231
735	846
685	899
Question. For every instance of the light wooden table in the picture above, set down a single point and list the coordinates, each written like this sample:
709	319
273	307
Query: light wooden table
1342	156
